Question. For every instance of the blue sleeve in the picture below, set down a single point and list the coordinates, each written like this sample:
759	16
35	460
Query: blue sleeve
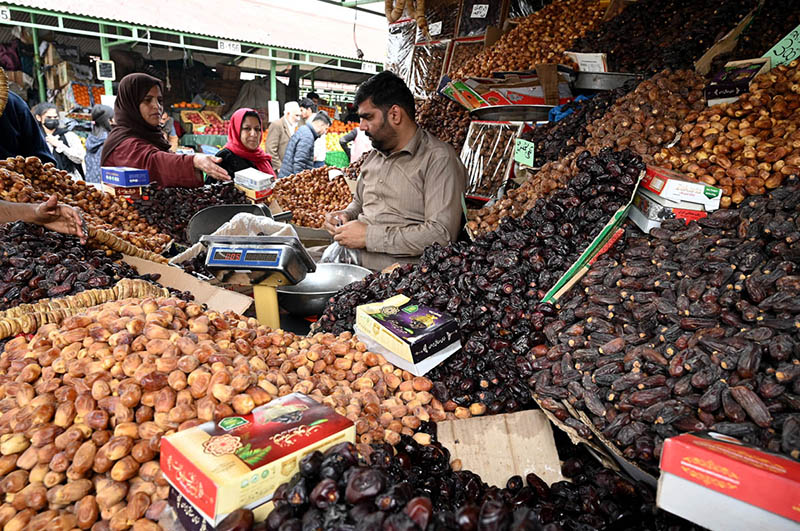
304	152
19	132
287	166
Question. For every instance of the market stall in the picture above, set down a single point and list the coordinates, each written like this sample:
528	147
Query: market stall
615	346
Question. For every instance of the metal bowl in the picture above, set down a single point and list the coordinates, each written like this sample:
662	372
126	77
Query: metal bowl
310	296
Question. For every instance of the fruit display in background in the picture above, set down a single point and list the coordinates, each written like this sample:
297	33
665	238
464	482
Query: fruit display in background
186	105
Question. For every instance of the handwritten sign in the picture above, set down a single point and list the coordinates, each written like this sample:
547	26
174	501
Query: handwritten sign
435	28
229	47
105	70
589	62
479	11
524	152
787	49
5	14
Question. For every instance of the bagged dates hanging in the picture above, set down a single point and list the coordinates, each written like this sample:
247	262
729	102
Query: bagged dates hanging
426	68
399	48
487	154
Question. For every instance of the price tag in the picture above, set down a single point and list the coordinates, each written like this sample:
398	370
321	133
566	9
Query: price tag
787	49
5	14
524	152
333	174
370	68
435	28
105	70
479	11
589	62
229	47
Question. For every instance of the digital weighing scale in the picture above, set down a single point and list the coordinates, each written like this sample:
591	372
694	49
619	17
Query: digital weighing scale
269	262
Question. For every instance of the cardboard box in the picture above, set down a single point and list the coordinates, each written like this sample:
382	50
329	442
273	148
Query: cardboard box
674	186
734	80
239	461
254	195
253	179
747	488
64	74
192	520
121	176
132	192
216	298
414	337
649	210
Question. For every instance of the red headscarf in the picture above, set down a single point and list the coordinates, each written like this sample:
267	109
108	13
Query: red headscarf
260	160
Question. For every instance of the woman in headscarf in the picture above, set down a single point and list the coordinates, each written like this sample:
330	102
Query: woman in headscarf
102	117
242	149
64	145
136	141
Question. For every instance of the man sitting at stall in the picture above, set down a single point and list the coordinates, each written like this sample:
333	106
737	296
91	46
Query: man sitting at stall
409	192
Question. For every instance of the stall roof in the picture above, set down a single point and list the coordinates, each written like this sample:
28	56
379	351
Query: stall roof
303	25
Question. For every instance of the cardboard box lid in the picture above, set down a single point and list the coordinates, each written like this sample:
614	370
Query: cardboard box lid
726	465
497	447
216	298
677	187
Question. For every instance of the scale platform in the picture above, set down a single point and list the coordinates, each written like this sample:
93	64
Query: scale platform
268	261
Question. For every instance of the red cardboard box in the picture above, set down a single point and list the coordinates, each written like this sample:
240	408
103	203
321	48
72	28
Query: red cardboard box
721	483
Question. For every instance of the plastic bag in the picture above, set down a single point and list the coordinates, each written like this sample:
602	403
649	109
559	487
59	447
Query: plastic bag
442	16
336	254
400	46
477	15
426	68
487	154
523	8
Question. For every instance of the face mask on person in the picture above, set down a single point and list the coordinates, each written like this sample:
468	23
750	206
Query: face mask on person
51	123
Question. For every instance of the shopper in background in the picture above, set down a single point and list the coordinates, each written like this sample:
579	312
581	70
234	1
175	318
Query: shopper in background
137	141
167	125
64	145
102	120
300	150
409	193
280	131
51	215
361	144
307	110
19	132
313	96
242	150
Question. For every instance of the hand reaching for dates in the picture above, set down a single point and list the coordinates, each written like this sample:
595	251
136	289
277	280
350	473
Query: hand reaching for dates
60	218
210	165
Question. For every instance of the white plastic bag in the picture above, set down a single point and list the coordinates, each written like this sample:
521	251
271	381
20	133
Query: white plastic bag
336	254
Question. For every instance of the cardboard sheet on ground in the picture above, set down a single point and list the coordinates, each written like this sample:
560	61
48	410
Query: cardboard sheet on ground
216	298
497	447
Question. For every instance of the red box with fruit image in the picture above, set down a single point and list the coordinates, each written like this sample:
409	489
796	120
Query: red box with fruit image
239	461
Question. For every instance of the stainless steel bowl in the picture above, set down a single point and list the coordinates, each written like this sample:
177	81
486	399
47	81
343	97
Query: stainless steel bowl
310	296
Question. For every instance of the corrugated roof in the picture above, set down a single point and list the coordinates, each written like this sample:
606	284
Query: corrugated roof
305	25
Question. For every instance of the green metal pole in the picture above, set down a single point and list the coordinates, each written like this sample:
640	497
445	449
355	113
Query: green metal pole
105	56
273	81
312	81
37	61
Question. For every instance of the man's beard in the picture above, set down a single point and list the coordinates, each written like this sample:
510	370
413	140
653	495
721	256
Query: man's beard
386	133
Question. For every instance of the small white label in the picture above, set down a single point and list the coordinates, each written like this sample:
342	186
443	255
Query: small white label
333	174
435	28
589	62
5	14
229	47
480	11
370	68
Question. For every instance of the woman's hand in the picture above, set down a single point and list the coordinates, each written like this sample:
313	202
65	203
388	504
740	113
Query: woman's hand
210	165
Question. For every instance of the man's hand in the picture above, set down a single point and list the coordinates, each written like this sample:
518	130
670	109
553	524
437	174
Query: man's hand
334	220
352	235
53	140
60	218
209	165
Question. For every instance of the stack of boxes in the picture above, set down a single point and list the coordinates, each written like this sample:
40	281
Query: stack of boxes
256	185
124	182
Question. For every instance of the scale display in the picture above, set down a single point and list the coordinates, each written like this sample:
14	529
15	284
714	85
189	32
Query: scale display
246	258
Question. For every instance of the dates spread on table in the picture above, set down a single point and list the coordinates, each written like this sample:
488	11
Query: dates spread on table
746	147
311	194
37	263
493	285
412	487
696	327
170	209
650	35
26	180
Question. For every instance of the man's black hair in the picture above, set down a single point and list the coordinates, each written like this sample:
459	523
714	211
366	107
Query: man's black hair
312	95
308	103
323	117
386	89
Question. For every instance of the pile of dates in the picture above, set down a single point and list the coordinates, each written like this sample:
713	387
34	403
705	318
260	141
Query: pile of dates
170	209
651	35
445	119
697	327
412	487
37	263
353	170
493	285
311	194
556	139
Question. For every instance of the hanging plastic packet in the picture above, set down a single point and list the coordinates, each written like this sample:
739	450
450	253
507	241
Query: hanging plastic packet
337	254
